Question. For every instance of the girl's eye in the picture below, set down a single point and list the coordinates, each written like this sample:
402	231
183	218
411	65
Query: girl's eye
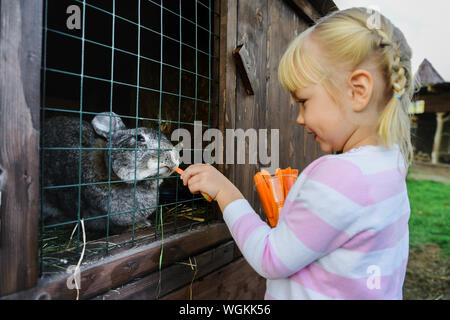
301	101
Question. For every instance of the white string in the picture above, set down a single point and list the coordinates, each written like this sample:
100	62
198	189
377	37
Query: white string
76	272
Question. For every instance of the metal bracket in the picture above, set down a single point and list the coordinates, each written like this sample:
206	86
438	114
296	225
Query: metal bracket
244	67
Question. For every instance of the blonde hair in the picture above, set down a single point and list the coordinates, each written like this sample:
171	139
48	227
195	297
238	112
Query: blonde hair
348	38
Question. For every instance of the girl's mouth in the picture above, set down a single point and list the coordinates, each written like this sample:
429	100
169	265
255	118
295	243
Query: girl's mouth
315	137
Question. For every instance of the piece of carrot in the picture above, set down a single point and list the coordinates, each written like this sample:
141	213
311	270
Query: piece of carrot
295	174
264	195
279	174
274	194
265	173
286	181
266	176
205	195
278	191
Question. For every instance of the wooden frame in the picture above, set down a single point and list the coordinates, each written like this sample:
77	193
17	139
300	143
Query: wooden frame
119	269
20	65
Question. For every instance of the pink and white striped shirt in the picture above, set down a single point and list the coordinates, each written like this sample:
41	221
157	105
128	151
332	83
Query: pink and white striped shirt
342	233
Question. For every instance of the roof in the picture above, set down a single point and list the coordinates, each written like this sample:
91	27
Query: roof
428	74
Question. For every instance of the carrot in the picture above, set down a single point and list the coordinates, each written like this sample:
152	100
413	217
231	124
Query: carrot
279	173
178	170
264	194
276	190
290	179
280	185
274	195
205	195
295	174
285	174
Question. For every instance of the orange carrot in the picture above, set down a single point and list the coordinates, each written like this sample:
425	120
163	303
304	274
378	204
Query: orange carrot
290	180
265	173
264	195
279	189
295	174
205	195
273	191
285	174
277	193
279	174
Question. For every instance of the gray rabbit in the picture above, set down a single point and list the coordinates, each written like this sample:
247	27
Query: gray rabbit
134	197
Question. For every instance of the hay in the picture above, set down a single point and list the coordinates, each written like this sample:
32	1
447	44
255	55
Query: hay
59	248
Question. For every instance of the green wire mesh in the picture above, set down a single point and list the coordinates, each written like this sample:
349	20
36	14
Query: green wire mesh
170	81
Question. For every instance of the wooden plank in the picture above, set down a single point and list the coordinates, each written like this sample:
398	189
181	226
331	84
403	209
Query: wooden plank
435	102
250	110
227	79
215	67
20	63
281	108
114	271
236	281
324	7
175	276
305	10
297	148
437	137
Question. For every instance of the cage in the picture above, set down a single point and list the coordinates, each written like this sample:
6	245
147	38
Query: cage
141	69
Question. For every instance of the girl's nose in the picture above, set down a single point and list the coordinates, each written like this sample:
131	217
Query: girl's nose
300	119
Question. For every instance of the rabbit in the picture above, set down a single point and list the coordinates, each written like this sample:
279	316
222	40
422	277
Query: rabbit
61	168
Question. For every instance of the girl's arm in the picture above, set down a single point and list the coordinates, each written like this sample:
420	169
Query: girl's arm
313	221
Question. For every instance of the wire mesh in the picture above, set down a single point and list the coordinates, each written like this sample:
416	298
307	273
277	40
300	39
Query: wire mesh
115	88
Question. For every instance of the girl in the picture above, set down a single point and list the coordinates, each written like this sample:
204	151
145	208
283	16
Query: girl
343	231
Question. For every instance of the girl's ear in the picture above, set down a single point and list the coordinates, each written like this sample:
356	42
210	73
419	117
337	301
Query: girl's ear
360	90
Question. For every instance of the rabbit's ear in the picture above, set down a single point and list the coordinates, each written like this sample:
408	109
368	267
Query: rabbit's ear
102	121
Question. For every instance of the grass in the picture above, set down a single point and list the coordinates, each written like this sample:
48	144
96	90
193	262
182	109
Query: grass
430	213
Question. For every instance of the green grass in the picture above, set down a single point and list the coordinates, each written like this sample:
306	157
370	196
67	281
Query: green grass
430	213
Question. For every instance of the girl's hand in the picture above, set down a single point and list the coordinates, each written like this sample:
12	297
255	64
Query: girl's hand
205	178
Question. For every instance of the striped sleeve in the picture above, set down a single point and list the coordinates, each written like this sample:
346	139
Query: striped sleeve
312	223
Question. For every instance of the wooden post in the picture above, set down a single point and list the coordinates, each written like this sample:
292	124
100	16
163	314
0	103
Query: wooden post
227	78
20	66
437	137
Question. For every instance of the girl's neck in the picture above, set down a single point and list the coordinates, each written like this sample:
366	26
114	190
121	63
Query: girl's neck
372	140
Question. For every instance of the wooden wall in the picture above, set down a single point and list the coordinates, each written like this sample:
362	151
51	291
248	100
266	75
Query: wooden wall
20	63
265	27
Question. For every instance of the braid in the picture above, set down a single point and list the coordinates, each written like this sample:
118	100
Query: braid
396	70
393	125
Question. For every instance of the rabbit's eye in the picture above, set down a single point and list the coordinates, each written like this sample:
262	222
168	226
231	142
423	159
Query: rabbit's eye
141	138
